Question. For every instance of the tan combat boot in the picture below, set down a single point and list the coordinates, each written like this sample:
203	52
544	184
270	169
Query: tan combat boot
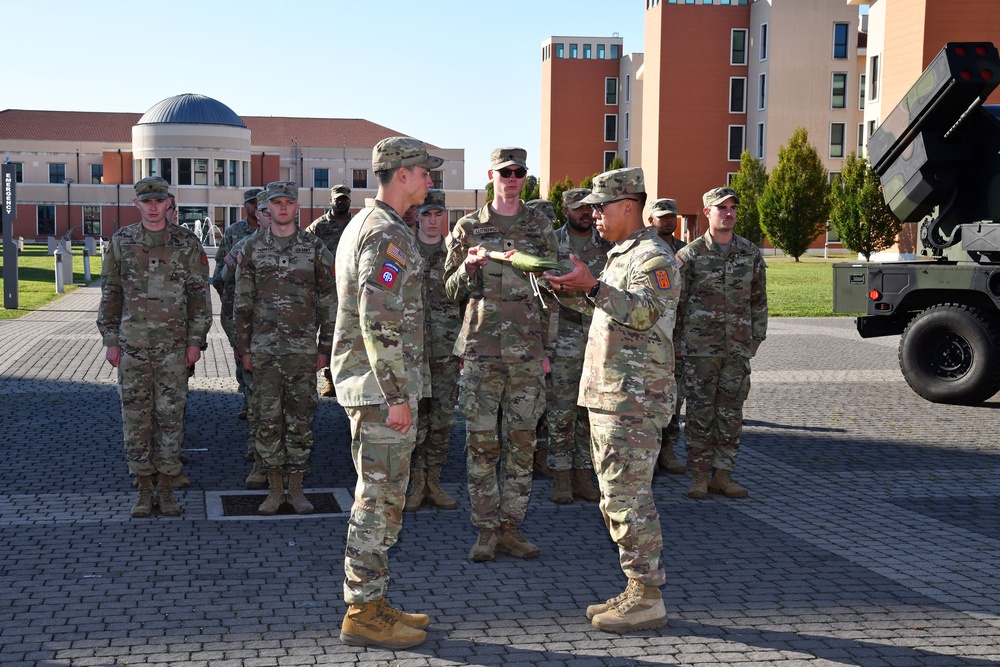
181	481
562	487
641	609
296	496
668	461
542	461
435	494
327	389
723	483
595	609
512	542
418	489
143	505
485	547
583	485
276	493
699	485
418	621
367	625
165	496
256	478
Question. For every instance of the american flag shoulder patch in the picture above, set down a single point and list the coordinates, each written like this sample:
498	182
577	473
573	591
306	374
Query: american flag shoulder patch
396	253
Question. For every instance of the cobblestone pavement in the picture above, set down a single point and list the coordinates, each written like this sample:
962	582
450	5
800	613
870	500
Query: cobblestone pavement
871	535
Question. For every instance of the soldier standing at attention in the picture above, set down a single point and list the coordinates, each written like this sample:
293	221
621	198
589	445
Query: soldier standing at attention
721	321
381	374
285	292
154	317
329	227
569	426
443	318
628	387
505	348
236	233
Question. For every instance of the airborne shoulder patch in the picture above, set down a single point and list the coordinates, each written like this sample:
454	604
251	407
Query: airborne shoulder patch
388	275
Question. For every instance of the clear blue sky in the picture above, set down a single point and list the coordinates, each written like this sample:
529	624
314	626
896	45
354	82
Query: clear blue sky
456	73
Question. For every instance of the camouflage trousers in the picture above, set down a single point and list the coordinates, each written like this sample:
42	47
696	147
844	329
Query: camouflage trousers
229	326
381	458
285	401
624	450
249	390
437	415
568	424
715	389
672	431
486	387
152	385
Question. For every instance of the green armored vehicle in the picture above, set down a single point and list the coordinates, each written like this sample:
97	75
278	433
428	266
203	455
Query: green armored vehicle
938	158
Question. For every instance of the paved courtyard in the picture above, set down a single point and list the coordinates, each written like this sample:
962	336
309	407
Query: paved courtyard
871	535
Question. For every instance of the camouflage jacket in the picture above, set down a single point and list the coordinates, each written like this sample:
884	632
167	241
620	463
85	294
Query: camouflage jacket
236	233
444	316
284	295
154	292
503	318
723	306
378	345
329	230
228	274
675	244
571	341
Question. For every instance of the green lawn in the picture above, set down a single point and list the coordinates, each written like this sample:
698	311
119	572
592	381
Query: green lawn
36	278
800	289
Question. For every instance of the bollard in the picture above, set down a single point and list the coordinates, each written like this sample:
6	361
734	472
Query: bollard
86	265
60	282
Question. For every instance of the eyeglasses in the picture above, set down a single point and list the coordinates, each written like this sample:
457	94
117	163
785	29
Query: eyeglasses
520	172
599	208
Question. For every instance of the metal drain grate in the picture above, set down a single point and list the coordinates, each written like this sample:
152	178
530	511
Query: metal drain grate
242	505
246	505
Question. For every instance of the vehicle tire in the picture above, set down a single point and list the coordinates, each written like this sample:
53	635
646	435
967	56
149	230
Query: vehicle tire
949	354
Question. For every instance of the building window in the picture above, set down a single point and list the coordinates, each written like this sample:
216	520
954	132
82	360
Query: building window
611	90
737	94
872	126
201	171
166	172
437	178
615	51
586	52
626	157
609	157
628	88
763	41
321	178
183	171
219	173
560	50
233	171
360	179
840	32
92	220
833	177
838	91
611	127
873	77
18	172
736	142
96	173
760	141
861	92
762	92
628	122
57	172
573	51
861	138
738	47
600	52
836	140
46	222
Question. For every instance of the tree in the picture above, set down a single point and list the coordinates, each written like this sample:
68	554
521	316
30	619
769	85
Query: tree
555	196
489	192
749	183
795	202
588	182
858	210
530	189
616	163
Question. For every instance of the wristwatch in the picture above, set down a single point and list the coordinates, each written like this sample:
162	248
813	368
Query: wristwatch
594	290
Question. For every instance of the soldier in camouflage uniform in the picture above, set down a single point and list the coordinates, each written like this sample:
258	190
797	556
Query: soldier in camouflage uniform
628	387
154	318
443	318
505	345
285	293
543	206
329	227
236	233
721	321
663	218
569	426
380	373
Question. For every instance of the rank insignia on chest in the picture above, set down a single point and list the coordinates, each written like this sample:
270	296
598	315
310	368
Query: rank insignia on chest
389	274
283	261
204	258
662	278
154	263
394	251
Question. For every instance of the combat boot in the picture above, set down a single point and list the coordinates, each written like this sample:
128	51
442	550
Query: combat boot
418	621
583	485
418	489
562	487
668	461
327	389
181	481
256	478
165	496
143	505
242	414
542	461
367	625
435	494
595	609
276	493
699	485
296	496
723	483
512	542
485	547
641	609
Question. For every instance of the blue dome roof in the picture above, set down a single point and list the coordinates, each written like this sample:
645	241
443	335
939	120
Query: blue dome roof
191	108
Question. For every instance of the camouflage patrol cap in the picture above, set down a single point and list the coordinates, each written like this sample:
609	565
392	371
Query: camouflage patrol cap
543	206
251	194
338	191
573	199
662	207
505	157
434	199
615	184
262	199
395	152
152	187
288	189
719	195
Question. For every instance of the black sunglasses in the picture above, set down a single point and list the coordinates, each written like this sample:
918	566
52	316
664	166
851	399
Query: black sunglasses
600	207
520	172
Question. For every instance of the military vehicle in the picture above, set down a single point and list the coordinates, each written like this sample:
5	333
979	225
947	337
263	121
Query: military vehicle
937	156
